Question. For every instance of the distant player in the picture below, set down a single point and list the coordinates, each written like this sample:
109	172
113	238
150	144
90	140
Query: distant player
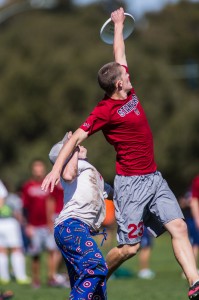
11	242
37	229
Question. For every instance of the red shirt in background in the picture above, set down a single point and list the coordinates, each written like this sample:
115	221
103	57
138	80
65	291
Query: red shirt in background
195	187
58	195
34	201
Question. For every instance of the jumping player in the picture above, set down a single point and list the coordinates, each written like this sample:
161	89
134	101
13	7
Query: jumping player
80	218
141	195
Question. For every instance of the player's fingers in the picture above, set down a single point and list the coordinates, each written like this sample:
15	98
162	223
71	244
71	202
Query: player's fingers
51	186
117	15
57	181
45	183
53	182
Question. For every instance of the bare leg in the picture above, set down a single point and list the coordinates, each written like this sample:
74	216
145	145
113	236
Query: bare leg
118	255
36	269
183	250
144	258
58	260
195	251
52	264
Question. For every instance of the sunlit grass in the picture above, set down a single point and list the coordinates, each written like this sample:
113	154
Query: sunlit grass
167	284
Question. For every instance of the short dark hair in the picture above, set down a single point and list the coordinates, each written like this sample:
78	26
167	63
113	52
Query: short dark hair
108	75
37	159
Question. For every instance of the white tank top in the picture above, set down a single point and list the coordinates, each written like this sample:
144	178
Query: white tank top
84	197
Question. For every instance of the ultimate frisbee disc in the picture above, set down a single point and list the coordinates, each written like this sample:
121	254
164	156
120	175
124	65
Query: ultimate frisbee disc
107	30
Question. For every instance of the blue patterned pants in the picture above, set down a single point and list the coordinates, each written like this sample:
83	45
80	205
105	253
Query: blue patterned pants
86	266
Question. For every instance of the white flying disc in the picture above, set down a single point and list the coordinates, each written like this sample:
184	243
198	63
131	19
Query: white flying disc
107	30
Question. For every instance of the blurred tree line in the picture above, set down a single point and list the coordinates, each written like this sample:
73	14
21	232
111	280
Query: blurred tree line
48	68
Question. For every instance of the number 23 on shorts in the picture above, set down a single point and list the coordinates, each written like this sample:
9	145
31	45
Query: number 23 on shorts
136	230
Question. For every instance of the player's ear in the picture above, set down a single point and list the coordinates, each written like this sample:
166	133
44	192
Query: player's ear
119	85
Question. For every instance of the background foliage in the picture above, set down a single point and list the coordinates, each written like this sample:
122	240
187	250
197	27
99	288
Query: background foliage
48	82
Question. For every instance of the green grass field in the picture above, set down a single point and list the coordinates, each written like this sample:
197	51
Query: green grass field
167	284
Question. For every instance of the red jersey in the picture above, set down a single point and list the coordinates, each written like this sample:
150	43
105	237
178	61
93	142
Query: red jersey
58	195
34	201
195	187
125	126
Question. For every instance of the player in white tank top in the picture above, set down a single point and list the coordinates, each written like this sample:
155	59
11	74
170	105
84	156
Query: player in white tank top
82	214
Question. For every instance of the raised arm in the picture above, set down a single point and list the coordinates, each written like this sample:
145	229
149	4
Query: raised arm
53	177
69	173
118	18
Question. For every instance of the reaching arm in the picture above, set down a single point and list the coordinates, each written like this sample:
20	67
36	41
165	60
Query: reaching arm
69	172
118	18
53	177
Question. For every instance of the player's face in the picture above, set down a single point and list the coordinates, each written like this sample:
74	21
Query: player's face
126	84
38	169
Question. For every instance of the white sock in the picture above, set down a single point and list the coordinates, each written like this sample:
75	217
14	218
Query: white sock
4	267
18	265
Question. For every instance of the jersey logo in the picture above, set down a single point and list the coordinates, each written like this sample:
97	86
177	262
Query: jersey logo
87	125
129	107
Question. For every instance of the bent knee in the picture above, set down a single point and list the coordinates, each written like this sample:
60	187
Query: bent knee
177	227
128	251
100	270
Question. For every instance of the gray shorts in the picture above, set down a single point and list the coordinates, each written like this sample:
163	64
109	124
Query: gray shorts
42	240
143	200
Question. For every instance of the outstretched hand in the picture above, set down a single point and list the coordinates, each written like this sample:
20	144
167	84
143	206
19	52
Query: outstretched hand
53	177
50	181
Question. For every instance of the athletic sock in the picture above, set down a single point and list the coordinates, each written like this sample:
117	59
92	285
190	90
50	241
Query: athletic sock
4	270
18	265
